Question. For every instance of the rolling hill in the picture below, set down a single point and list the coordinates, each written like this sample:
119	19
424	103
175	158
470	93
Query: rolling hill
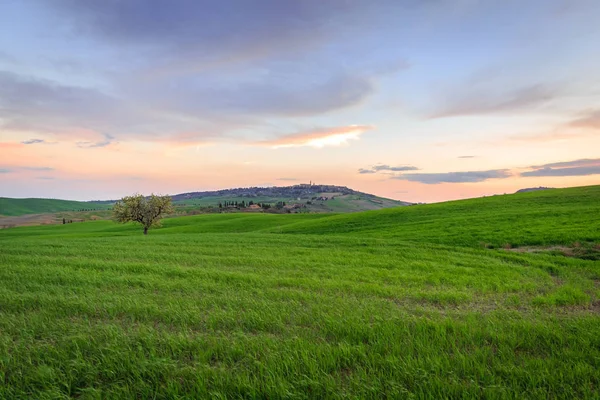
312	198
536	218
296	192
15	207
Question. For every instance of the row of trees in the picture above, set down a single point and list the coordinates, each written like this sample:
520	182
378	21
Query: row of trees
244	204
236	204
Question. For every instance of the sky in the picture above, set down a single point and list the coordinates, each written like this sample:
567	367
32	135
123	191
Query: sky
416	100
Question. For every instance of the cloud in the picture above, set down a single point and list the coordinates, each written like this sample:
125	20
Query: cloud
154	69
5	171
168	110
288	179
475	102
584	162
467	156
218	28
188	36
33	141
7	58
27	104
561	133
176	40
580	167
214	68
384	168
45	178
455	177
20	168
319	138
575	171
277	94
588	120
38	168
30	104
37	141
557	136
565	168
108	140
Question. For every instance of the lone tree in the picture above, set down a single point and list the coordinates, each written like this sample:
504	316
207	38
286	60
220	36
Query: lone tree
146	211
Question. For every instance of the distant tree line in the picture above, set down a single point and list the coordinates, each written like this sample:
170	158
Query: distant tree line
241	204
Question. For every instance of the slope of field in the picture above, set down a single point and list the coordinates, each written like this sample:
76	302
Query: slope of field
305	306
558	216
14	207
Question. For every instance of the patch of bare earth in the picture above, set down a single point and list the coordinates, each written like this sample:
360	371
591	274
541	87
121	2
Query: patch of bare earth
537	249
577	250
27	220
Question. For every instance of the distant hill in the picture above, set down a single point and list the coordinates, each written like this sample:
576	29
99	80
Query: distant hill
303	191
315	198
14	207
535	189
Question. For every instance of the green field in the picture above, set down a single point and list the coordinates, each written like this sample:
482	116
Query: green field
496	297
536	218
13	207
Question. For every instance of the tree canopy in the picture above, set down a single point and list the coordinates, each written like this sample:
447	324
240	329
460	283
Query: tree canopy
145	210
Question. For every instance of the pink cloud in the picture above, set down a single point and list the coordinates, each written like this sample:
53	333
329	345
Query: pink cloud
589	120
558	136
319	138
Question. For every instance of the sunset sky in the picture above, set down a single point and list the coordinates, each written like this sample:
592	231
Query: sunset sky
413	100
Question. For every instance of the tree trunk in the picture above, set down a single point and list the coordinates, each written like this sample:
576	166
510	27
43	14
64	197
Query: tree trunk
145	230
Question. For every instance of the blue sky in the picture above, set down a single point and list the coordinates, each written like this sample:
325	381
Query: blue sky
169	96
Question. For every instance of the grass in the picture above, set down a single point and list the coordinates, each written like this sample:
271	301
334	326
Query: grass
15	207
273	306
560	216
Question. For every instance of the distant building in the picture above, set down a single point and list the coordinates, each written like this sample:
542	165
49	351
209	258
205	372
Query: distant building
253	208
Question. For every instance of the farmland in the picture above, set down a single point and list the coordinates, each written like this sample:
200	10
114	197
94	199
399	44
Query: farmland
14	207
497	297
